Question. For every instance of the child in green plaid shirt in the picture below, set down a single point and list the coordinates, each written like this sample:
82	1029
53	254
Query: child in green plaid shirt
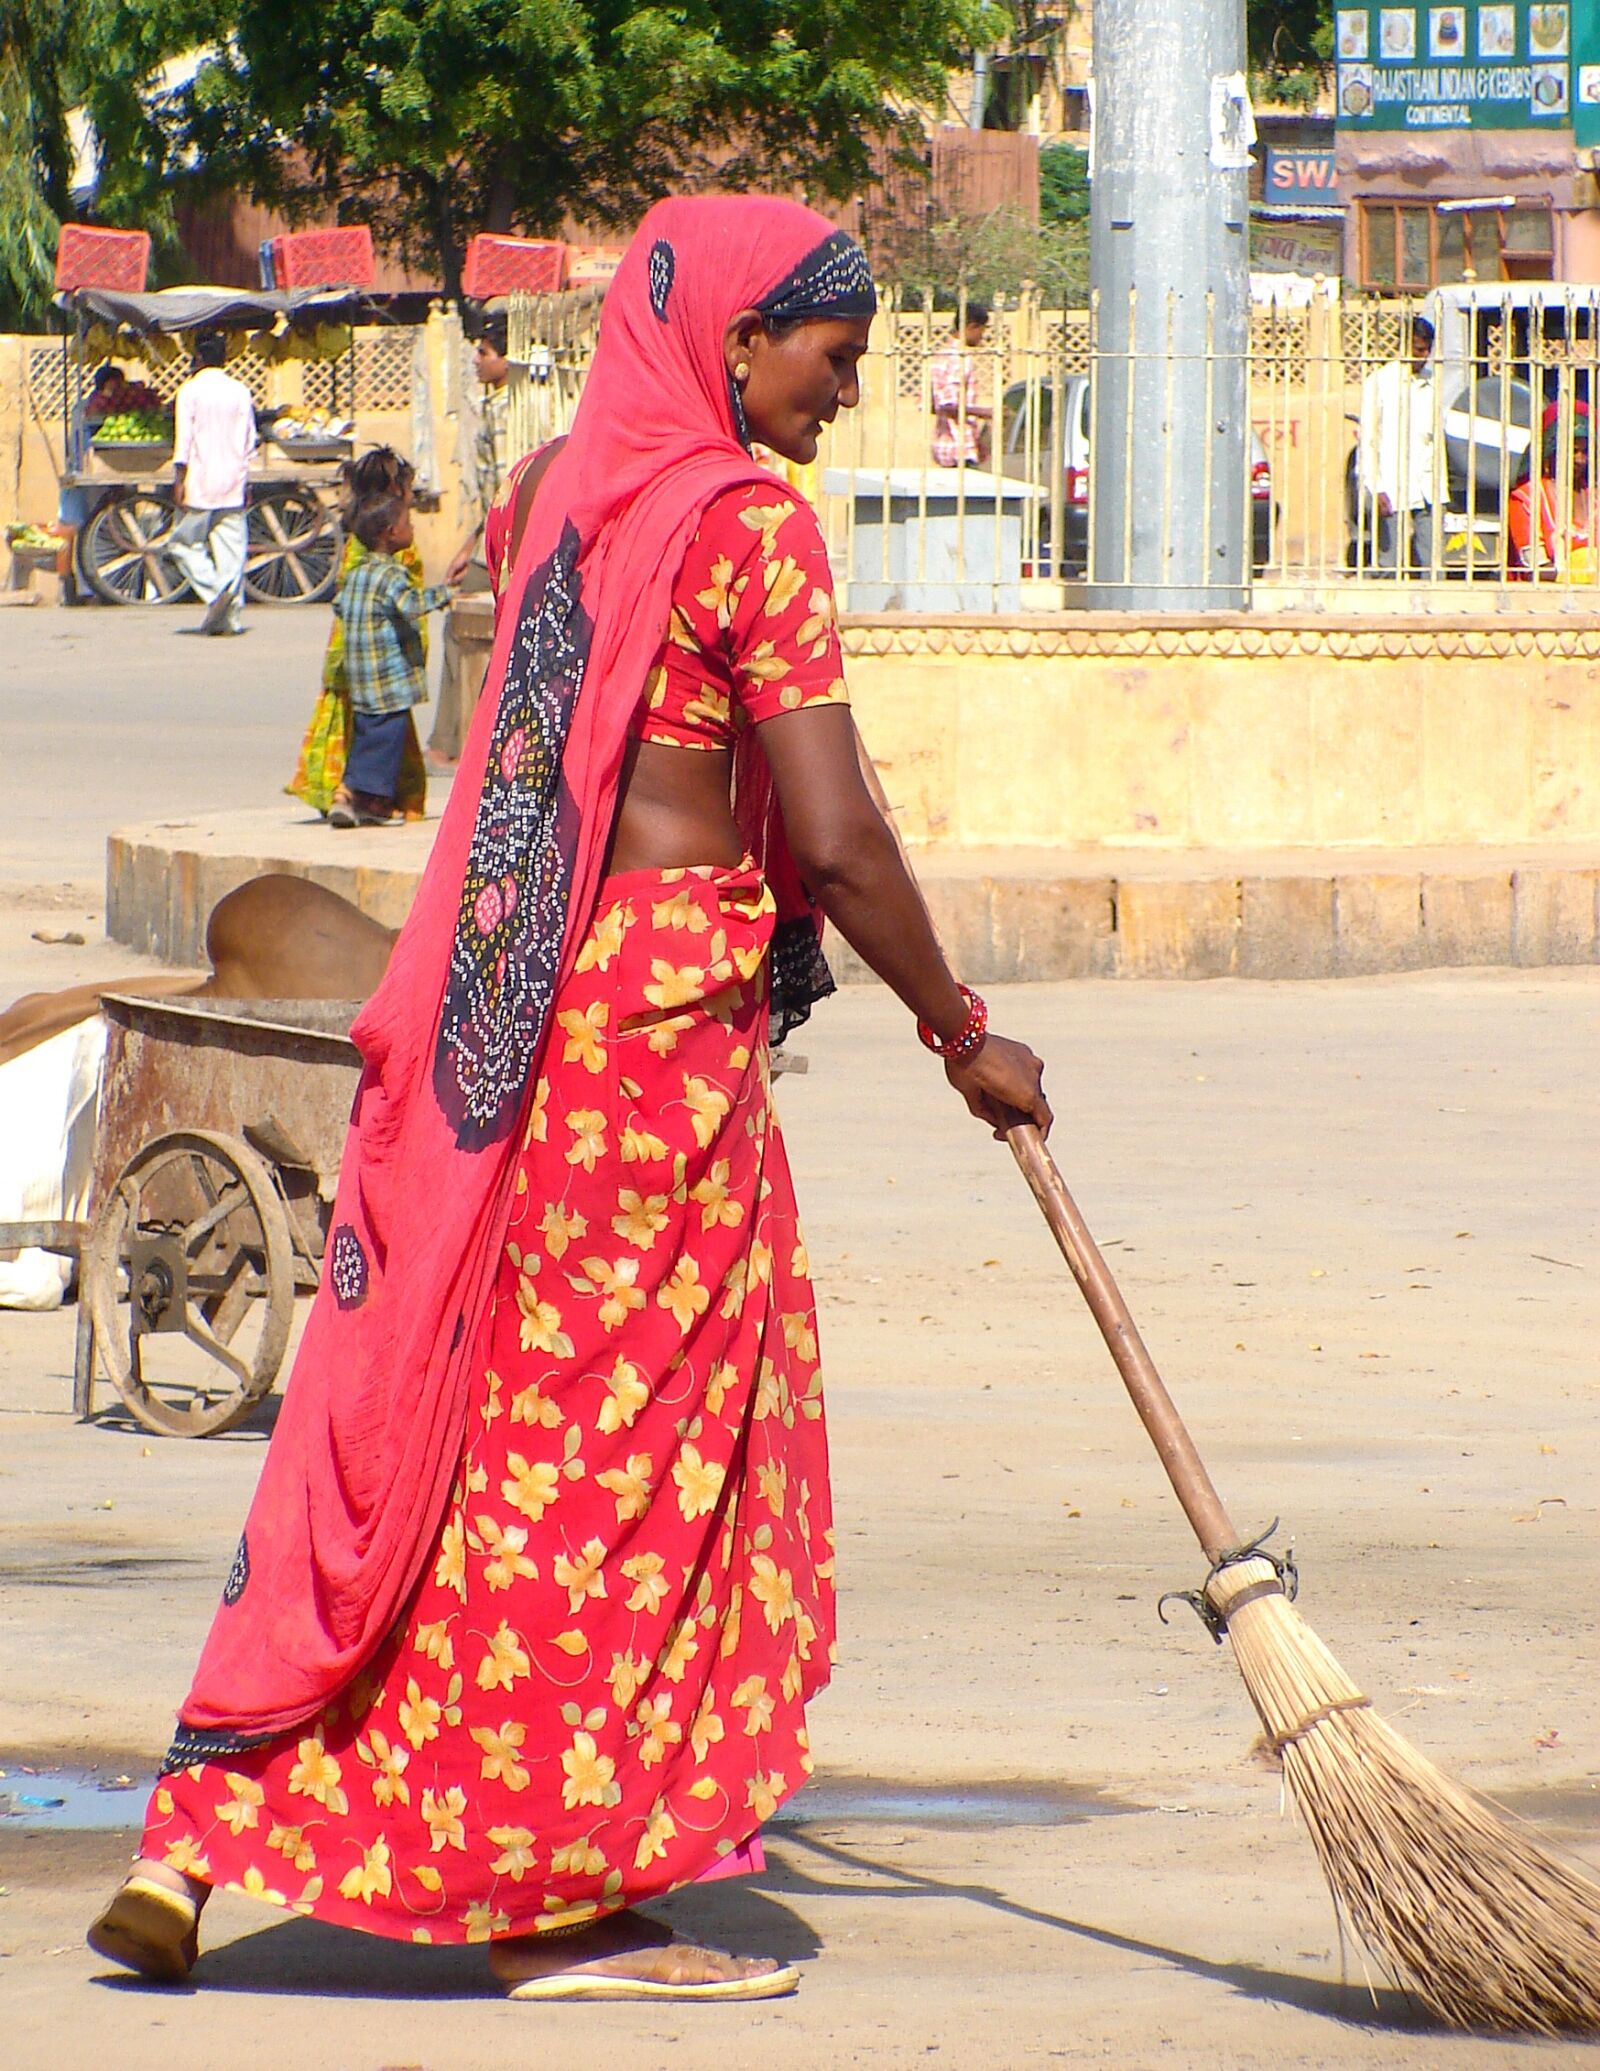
381	610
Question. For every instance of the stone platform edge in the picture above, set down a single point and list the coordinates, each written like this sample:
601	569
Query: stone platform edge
1013	916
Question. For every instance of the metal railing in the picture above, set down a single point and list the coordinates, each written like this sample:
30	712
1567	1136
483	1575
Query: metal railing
967	481
1365	484
549	341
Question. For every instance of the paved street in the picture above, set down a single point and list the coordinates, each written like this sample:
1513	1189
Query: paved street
1359	1224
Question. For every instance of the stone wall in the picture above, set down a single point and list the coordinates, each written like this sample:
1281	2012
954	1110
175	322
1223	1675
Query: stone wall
1081	731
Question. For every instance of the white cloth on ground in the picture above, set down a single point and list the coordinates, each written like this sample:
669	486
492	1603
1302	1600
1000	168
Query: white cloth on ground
49	1103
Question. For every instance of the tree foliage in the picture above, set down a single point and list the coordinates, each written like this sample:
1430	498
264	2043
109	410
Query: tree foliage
1291	48
430	119
35	152
61	59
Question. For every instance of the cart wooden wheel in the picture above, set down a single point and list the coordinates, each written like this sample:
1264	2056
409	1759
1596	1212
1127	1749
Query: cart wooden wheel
122	551
295	546
190	1277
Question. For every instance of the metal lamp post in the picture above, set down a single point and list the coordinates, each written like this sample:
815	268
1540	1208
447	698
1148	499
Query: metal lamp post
1169	274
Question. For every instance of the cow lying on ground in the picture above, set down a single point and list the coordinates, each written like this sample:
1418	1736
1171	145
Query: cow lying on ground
274	938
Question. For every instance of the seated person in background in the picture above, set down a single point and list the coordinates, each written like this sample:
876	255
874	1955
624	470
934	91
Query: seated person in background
381	610
1547	517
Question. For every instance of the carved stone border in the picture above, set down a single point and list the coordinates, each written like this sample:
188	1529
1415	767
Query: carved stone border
1051	637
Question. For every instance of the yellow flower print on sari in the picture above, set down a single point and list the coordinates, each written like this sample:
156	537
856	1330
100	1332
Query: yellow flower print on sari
613	1281
242	1806
658	1730
773	1589
560	1230
591	1776
683	1294
578	1859
682	910
642	1146
628	1675
673	985
783	581
419	1716
505	1546
630	1485
389	1785
254	1885
505	1661
699	1483
538	1128
530	1486
580	1577
501	1748
640	1218
442	1811
626	1395
764	1793
316	1775
290	1842
588	1126
644	1571
721	595
769	520
714	1198
517	1853
659	1829
604	940
541	1322
584	1029
756	1701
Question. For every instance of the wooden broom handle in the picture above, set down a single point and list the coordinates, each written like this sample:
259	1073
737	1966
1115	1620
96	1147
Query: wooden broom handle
1185	1469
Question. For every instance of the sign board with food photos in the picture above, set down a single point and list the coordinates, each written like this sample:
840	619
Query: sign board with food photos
1481	64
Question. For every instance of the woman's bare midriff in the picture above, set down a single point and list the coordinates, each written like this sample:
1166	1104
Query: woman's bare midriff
673	809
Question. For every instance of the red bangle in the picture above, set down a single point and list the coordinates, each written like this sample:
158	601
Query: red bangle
969	1041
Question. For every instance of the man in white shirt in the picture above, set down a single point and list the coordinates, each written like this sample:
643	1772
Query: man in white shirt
216	435
1395	456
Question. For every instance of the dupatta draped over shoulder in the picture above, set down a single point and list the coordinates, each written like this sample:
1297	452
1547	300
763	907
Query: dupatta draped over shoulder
371	1426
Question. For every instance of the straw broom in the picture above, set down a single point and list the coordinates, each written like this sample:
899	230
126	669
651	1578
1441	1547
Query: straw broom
1458	1906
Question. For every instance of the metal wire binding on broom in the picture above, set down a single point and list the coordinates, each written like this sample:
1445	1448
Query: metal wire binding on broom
1215	1621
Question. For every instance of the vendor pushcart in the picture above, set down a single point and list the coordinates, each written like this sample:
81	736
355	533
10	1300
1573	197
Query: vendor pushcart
117	460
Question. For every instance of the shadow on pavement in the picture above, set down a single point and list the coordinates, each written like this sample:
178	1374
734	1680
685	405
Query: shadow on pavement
1382	2008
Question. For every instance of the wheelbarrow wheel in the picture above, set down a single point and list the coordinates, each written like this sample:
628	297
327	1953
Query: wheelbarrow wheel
190	1278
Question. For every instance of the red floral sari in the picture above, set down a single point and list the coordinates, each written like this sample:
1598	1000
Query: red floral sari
598	1690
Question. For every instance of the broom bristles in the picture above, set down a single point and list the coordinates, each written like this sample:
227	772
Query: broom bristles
1484	1926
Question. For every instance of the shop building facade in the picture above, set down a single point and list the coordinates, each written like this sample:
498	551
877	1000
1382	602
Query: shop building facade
1467	142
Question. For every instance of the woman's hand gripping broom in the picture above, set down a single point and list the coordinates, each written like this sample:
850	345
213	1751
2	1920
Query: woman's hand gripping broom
1459	1907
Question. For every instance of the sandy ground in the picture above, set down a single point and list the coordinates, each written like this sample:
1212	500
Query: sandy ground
1359	1224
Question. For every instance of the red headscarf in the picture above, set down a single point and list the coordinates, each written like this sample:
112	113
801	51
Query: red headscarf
372	1420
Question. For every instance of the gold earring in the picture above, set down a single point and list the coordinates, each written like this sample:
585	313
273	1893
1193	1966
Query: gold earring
742	371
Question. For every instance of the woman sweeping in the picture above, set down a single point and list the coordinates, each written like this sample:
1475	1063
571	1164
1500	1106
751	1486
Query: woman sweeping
538	1578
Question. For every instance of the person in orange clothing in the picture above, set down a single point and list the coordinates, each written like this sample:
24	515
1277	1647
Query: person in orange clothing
1548	517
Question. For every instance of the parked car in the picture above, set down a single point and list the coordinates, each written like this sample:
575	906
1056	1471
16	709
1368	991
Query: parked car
1026	442
1500	350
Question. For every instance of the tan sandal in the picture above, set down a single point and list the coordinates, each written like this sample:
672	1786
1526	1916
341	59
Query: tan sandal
586	1983
150	1928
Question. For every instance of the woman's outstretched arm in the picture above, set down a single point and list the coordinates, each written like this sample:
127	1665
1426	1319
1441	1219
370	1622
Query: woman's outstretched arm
853	866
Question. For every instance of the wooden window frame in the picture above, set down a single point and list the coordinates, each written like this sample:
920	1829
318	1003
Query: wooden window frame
1483	238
